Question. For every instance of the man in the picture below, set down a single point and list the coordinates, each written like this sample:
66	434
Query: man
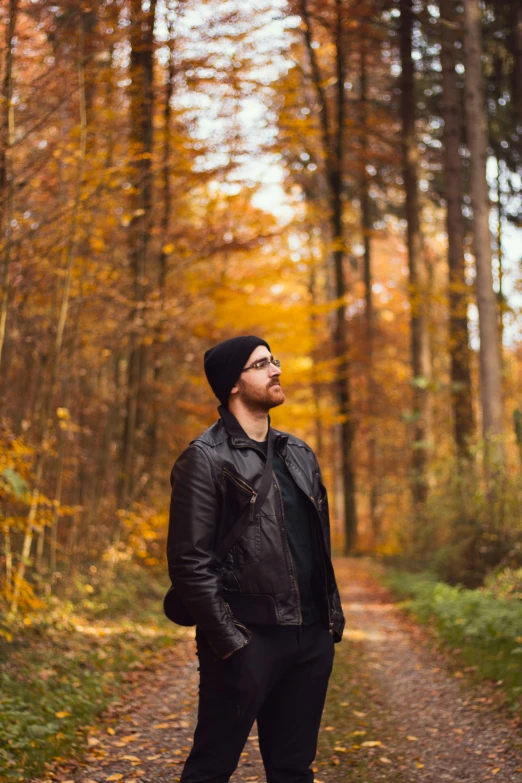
268	613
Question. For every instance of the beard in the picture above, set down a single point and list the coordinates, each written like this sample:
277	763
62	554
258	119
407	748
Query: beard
261	398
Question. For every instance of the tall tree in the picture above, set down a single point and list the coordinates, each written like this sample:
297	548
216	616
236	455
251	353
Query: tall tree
7	137
369	316
477	133
463	420
332	121
418	274
141	140
516	74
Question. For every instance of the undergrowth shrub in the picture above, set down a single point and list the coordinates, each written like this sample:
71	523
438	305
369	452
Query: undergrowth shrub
466	531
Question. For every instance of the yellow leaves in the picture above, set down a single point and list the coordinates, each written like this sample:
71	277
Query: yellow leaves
97	244
372	744
385	760
168	248
116	776
62	714
412	738
125	740
92	742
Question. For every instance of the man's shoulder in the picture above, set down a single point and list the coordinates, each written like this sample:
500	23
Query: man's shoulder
212	436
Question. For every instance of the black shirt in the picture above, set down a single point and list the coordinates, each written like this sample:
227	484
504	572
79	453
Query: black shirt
298	527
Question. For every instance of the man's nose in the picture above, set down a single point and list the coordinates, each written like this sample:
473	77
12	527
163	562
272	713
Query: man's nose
273	370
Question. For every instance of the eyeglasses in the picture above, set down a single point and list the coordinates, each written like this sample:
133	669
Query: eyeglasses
263	364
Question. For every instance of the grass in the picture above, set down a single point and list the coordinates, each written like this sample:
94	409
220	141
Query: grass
62	671
486	631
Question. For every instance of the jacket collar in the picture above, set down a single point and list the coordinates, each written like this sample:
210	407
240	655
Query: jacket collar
234	429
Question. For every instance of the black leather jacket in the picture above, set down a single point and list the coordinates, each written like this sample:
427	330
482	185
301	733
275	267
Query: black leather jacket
212	481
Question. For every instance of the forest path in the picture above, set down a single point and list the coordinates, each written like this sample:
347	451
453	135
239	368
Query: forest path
395	710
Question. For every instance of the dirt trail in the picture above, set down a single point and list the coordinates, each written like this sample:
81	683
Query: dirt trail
443	731
430	728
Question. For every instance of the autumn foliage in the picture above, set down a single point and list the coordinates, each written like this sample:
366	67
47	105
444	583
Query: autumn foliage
173	173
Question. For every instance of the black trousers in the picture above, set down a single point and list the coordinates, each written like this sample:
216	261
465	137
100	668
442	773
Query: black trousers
280	678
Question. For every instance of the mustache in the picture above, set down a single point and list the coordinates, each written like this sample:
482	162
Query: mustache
275	383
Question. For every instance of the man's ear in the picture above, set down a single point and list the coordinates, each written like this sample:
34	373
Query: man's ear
234	389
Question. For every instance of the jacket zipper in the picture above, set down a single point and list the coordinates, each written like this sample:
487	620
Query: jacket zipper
236	622
239	482
330	623
283	533
293	569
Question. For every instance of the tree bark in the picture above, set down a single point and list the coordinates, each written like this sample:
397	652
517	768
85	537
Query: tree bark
333	142
418	277
341	341
516	76
141	140
166	200
366	227
6	169
477	131
461	392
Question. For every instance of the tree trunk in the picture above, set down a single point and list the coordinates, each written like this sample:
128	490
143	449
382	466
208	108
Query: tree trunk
6	169
332	134
516	76
166	200
490	364
141	137
461	392
366	228
418	277
316	387
341	344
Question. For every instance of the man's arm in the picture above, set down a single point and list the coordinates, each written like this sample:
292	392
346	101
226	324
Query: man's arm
190	550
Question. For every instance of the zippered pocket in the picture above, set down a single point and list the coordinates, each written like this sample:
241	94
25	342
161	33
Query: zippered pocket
238	481
248	547
236	622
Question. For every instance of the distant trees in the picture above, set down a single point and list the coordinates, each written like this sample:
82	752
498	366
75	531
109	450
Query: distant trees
341	176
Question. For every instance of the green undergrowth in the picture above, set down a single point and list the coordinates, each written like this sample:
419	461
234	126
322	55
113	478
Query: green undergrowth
63	669
486	630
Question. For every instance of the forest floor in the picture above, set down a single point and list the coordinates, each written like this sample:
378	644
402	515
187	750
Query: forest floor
398	709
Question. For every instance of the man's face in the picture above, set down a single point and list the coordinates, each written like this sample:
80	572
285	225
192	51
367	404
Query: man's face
259	390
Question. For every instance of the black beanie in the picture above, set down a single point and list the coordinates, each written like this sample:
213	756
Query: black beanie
223	363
